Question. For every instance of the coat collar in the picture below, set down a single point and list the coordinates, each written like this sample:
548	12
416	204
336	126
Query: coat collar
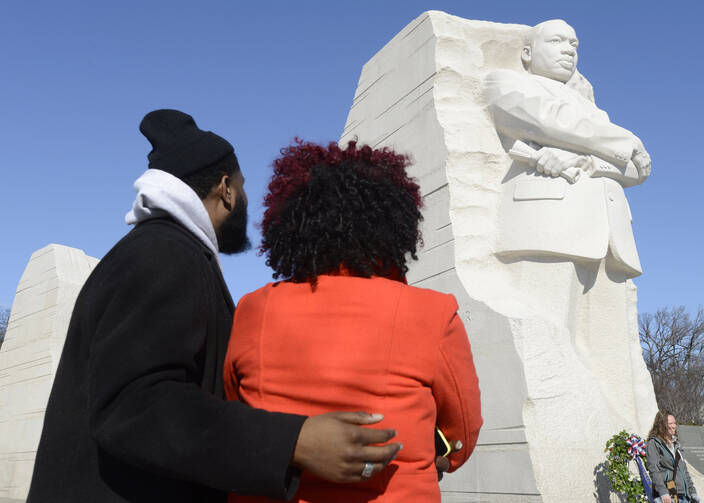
212	259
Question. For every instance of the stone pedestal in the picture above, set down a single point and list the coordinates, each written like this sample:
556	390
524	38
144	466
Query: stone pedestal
547	409
30	355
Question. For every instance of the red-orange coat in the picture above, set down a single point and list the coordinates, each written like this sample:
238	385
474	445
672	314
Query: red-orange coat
352	344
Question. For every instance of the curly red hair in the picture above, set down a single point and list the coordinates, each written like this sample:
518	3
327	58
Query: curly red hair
329	207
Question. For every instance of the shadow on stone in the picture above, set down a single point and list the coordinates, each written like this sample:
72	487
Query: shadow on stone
602	487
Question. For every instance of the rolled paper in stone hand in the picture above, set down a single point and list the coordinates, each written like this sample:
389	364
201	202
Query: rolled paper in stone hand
521	151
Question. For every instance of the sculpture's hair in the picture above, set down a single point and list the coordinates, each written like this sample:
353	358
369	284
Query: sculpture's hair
531	33
534	31
203	181
659	429
528	38
330	210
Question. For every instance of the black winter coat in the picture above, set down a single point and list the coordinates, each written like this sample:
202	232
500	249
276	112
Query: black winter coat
136	412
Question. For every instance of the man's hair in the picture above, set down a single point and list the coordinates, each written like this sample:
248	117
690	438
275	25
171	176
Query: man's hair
203	181
529	37
328	210
659	429
533	32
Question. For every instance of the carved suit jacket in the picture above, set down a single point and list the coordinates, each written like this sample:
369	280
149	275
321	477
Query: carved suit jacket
544	215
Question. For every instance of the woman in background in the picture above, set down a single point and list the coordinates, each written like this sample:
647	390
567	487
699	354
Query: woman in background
343	330
663	450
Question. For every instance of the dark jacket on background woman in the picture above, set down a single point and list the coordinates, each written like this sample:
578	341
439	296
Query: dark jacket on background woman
661	465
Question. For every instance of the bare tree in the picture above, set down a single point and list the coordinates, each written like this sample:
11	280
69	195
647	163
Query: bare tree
4	318
673	348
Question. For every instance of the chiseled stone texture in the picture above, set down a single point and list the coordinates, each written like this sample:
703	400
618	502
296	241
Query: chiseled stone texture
30	355
546	419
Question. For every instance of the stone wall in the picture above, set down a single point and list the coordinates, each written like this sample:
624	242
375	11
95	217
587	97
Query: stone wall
30	355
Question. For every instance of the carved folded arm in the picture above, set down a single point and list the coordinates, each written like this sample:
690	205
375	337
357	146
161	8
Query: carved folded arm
525	110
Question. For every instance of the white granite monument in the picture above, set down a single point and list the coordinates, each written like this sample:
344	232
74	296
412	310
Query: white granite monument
526	222
30	355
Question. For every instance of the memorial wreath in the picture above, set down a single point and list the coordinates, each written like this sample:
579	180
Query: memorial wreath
622	448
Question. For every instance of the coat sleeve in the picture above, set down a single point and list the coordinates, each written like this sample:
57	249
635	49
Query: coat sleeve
456	390
690	483
627	176
524	110
146	406
232	385
656	474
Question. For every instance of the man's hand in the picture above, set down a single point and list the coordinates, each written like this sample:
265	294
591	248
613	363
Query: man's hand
442	464
665	498
333	447
641	159
553	161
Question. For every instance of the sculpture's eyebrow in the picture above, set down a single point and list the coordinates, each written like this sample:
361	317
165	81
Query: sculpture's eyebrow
572	40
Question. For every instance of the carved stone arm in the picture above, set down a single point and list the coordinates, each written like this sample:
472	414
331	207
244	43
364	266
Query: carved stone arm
536	109
551	161
627	176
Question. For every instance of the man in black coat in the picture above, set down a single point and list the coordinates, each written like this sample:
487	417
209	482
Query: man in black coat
136	411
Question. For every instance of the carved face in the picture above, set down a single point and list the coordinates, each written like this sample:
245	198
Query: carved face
553	51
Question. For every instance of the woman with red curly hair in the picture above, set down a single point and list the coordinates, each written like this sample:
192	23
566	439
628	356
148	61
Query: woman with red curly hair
343	330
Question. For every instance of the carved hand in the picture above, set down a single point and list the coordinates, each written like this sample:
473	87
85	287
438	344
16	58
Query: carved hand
553	161
640	158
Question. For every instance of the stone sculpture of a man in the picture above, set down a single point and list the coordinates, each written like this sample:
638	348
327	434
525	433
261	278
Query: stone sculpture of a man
568	131
565	225
526	222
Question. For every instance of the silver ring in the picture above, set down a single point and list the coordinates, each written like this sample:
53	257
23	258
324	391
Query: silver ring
367	470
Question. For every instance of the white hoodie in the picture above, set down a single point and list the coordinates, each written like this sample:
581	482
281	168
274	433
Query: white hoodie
160	193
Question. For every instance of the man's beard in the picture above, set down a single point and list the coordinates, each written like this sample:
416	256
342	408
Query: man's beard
232	235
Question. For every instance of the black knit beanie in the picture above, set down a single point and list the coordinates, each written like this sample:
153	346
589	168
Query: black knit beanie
178	146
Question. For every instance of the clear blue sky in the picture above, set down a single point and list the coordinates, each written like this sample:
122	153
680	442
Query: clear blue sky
77	77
